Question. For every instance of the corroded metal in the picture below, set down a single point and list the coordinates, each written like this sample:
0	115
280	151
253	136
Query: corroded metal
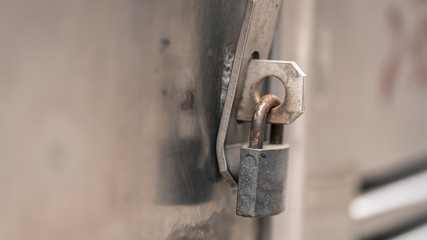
262	174
256	36
262	180
116	102
259	117
289	74
276	133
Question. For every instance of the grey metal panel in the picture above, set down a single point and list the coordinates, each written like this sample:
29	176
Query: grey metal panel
109	116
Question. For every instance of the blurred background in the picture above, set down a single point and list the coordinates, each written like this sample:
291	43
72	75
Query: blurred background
109	113
363	139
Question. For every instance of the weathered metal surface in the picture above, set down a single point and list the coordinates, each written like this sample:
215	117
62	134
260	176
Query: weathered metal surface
276	133
262	171
109	116
259	117
292	78
262	180
256	36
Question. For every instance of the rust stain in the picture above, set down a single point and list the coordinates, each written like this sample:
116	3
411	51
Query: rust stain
264	106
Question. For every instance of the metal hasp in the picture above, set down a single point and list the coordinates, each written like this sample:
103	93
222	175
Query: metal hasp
292	78
254	43
262	176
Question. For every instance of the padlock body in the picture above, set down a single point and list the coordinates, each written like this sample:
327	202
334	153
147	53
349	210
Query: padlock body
262	180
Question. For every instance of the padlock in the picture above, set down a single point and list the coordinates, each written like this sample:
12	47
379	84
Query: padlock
262	175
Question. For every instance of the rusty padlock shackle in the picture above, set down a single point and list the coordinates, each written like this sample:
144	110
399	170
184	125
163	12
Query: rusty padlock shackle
259	118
